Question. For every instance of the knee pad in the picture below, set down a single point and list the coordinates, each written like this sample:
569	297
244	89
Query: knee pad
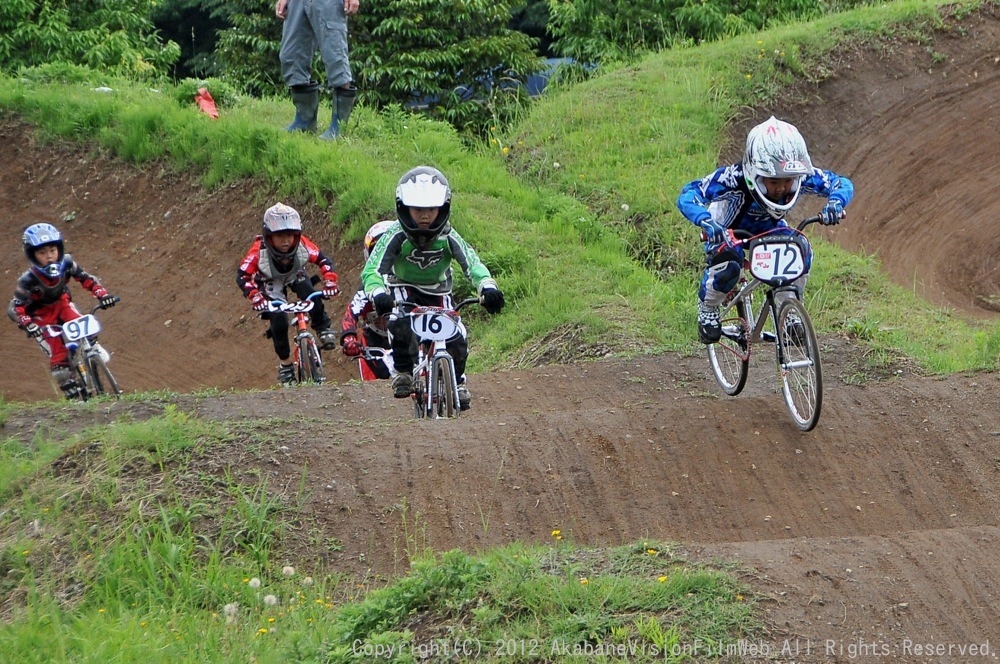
724	275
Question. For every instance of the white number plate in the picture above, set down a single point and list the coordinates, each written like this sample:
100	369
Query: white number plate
433	326
781	261
84	326
301	306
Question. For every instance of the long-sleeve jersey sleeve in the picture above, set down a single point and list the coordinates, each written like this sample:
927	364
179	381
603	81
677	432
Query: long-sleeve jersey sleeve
723	197
31	292
396	260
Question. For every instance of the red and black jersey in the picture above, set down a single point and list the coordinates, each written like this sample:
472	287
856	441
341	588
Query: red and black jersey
259	272
34	291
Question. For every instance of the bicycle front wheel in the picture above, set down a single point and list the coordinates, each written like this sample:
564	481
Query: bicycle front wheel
103	381
443	382
84	377
799	364
730	356
312	361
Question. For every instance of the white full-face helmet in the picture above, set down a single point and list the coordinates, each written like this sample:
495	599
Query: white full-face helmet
280	217
775	149
423	187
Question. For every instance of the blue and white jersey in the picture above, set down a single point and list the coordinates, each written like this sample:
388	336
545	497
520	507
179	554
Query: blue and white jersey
724	197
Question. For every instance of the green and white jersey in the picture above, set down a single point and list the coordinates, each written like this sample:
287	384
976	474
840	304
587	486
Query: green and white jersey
395	261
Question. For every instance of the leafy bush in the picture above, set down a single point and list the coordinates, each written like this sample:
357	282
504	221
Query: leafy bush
247	52
62	72
459	59
607	30
115	36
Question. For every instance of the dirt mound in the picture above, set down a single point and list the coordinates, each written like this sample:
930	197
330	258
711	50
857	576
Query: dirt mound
916	128
163	244
880	525
877	531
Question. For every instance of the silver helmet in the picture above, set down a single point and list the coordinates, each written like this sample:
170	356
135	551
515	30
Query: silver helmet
775	149
280	217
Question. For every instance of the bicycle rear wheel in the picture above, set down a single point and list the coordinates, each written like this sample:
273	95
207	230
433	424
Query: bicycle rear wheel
104	382
443	382
730	356
799	364
420	392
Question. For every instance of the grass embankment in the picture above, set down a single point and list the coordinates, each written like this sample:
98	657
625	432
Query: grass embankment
119	545
584	238
627	141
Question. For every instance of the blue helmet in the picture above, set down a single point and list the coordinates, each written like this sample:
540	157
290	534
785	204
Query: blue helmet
41	235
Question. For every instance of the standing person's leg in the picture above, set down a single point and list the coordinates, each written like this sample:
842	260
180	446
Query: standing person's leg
298	43
330	21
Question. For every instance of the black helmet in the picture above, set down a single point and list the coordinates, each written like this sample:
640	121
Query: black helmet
40	235
423	187
280	217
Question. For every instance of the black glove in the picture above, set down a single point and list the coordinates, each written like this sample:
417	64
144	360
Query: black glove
108	301
33	330
492	300
383	303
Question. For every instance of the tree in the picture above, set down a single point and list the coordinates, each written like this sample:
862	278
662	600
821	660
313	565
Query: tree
456	57
247	51
116	36
194	25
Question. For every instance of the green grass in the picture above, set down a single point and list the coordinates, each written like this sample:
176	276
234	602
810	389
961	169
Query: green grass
117	544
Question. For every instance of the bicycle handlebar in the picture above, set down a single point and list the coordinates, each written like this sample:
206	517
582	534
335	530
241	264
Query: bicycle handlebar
741	236
414	305
115	300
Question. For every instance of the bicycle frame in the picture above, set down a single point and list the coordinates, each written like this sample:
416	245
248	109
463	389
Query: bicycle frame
435	384
305	352
86	358
796	349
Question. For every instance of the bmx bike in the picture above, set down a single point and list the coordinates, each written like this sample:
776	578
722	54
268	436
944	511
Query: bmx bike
774	262
435	385
305	351
88	360
373	354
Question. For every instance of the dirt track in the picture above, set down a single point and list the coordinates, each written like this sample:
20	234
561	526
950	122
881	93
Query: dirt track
878	527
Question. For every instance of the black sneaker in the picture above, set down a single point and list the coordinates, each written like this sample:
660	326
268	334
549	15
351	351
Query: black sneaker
286	374
464	398
402	385
796	330
327	339
709	326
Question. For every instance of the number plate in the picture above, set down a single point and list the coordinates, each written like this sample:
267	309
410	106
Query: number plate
777	262
84	326
300	306
433	325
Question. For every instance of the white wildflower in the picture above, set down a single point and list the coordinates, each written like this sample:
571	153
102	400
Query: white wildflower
288	571
270	600
254	582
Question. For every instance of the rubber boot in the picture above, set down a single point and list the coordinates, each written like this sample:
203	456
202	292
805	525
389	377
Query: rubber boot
343	104
306	100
